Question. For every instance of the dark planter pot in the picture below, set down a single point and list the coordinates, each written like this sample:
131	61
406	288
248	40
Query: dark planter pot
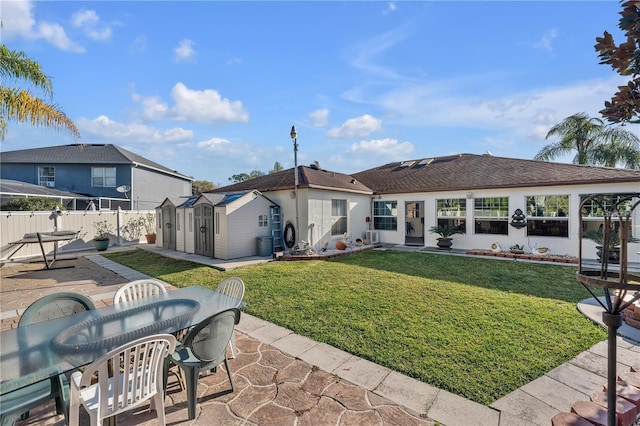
444	243
614	254
151	238
101	245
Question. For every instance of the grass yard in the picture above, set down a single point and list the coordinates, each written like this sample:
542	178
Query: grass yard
479	328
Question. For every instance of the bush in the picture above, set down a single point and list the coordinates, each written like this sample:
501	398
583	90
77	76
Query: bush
32	204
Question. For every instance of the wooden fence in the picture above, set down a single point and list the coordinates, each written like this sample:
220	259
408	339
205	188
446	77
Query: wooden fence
15	225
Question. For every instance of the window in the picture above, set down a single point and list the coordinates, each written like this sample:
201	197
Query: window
385	215
593	212
103	177
452	212
177	221
217	222
338	217
547	215
491	215
190	221
47	176
263	220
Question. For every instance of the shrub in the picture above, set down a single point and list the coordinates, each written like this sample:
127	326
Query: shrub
32	204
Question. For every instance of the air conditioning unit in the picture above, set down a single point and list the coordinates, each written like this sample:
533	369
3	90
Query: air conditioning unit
372	236
50	184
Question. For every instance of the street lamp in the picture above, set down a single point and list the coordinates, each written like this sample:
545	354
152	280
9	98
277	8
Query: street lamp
294	138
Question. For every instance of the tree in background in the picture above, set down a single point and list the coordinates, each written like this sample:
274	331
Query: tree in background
593	142
625	60
20	104
277	167
200	186
241	177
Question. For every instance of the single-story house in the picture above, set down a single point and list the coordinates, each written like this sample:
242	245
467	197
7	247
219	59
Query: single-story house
111	175
491	200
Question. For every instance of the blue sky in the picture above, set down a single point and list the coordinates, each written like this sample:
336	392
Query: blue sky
211	88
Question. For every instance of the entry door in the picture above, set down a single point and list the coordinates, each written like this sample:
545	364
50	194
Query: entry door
414	223
169	227
203	221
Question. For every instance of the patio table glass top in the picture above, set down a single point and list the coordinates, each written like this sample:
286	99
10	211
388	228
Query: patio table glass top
39	351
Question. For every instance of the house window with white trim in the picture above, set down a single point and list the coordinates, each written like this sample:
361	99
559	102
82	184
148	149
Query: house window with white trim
452	212
263	220
385	215
593	215
47	176
338	217
104	177
491	215
547	215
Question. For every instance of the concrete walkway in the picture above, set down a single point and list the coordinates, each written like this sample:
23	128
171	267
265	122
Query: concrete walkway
533	404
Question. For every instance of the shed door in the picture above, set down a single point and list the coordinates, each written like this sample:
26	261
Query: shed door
203	220
169	227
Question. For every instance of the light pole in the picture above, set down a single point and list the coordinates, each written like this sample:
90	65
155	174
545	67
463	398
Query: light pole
294	138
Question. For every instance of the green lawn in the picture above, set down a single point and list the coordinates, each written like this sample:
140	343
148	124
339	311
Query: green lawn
479	328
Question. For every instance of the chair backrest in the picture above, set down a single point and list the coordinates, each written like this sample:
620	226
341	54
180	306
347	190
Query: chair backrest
233	287
138	289
209	339
129	374
55	306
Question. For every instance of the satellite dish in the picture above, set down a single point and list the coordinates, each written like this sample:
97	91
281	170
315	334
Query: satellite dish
124	189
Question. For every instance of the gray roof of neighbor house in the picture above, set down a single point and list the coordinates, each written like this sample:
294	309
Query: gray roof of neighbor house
308	177
471	171
85	154
14	187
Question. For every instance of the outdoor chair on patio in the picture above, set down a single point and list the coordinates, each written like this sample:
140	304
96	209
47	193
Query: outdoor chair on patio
17	404
139	289
205	348
233	287
106	391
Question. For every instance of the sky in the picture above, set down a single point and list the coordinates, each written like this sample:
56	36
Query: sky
211	88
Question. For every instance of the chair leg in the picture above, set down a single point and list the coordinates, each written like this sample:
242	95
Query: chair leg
232	345
158	401
192	390
226	365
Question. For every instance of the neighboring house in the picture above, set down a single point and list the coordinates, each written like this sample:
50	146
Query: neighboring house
219	225
480	194
107	173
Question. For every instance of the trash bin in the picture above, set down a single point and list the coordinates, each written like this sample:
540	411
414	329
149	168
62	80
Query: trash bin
265	246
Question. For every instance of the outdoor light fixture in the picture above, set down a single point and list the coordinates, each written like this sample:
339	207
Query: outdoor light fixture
294	138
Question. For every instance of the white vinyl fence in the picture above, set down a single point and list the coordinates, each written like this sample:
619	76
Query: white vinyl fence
15	225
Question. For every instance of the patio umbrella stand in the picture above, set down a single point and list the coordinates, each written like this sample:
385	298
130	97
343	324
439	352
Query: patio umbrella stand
620	289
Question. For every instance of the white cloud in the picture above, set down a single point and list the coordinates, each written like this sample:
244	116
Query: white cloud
87	21
391	7
18	21
214	144
546	41
184	51
387	148
104	129
205	106
358	127
319	117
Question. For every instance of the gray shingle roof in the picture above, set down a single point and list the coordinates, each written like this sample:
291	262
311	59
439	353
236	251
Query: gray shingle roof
471	171
83	154
308	177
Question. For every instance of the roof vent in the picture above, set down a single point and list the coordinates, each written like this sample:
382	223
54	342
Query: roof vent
353	181
315	166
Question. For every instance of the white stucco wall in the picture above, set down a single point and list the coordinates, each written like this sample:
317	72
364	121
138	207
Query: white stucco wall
557	245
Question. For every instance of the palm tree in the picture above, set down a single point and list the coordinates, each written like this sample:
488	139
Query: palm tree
20	104
594	142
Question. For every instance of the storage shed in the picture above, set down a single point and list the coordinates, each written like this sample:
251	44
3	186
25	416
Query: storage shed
166	223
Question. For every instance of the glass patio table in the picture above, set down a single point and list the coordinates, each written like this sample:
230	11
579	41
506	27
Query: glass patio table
43	350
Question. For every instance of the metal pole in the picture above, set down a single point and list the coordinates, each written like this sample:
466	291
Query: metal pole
613	321
295	165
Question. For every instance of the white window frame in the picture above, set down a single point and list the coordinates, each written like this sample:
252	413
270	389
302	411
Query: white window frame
101	173
47	176
339	213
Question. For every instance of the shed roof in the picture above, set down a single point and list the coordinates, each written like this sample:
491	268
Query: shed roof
85	154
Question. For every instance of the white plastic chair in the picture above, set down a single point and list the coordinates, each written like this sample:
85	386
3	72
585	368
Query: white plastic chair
233	287
123	379
138	289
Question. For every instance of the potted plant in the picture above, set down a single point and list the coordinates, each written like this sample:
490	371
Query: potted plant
149	222
613	245
445	232
101	240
